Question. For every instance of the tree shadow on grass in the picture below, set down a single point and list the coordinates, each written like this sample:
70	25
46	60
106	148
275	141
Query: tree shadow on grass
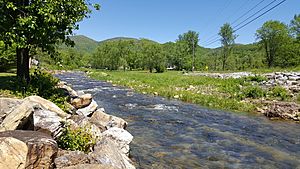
8	81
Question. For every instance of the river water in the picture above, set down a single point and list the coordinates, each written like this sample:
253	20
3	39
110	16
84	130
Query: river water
172	134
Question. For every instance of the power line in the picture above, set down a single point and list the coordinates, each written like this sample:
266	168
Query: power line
260	15
220	11
237	29
247	12
254	14
216	35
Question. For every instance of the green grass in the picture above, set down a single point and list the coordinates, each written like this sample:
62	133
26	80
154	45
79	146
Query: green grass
205	91
225	94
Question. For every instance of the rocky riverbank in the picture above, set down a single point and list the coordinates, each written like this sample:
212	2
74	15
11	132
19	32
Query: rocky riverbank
30	128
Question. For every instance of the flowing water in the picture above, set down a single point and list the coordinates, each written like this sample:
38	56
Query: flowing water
172	134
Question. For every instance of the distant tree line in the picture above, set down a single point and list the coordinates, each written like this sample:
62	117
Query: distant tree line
278	46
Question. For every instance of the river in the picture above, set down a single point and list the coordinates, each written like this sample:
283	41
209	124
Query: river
171	134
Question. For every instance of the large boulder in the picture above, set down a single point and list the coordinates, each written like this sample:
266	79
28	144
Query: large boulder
122	137
22	116
46	105
86	111
18	117
102	119
13	153
106	152
7	105
47	122
42	149
82	101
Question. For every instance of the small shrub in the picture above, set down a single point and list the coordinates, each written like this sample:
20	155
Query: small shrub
253	92
280	92
43	84
256	78
78	139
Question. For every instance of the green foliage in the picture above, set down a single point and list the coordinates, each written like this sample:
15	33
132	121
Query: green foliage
82	44
39	24
253	92
256	78
7	57
79	139
273	35
227	41
295	27
279	92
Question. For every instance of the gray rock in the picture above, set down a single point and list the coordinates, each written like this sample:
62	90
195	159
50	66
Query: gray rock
18	117
107	152
13	153
7	105
72	93
102	119
122	137
46	105
293	78
47	122
22	114
88	110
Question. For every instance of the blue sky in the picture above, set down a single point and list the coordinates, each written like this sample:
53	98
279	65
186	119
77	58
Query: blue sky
164	20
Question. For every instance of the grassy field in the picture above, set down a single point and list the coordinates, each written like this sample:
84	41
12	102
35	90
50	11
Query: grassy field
222	94
238	95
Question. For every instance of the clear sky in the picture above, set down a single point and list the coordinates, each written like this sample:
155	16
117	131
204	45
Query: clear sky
164	20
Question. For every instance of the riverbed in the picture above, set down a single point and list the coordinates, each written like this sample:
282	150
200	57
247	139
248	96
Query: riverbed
173	134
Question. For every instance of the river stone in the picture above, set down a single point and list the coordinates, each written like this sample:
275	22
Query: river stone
102	119
72	93
7	105
13	153
82	101
47	122
42	149
88	110
89	166
122	137
106	151
293	78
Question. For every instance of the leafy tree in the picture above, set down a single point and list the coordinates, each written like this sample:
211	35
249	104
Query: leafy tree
272	35
38	24
7	56
295	26
227	41
153	55
191	38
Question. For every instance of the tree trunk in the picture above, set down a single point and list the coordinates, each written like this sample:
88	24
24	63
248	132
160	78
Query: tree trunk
23	64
